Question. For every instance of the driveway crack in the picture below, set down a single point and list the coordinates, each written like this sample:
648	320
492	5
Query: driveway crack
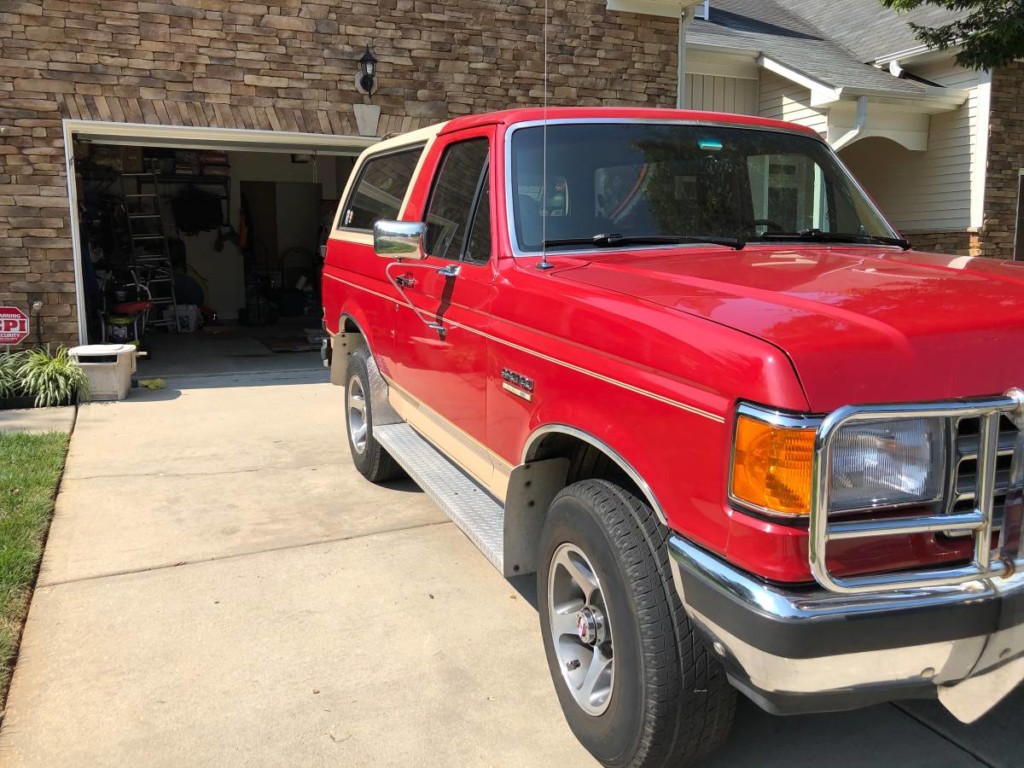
237	555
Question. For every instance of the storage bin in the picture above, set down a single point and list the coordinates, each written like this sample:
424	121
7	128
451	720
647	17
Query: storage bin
109	368
188	317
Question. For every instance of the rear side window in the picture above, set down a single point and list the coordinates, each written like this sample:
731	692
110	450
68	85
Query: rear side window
380	188
455	197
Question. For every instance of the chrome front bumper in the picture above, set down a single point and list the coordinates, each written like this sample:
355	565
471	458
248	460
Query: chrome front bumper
796	650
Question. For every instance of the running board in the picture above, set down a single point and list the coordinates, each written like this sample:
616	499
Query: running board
478	514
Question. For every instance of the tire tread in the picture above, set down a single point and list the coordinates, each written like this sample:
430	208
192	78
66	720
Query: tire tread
689	704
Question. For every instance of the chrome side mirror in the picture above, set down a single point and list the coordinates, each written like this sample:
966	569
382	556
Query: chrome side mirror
399	239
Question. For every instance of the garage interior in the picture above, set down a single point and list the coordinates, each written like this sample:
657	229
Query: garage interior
206	254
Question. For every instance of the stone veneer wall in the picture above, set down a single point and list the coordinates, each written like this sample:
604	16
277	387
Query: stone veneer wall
954	243
288	66
1005	159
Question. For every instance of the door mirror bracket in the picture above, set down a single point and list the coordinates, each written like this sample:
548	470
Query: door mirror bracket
452	270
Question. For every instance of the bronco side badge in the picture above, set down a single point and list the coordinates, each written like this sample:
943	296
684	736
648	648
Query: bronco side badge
517	384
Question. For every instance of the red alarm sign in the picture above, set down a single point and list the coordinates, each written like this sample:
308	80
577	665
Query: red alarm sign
13	326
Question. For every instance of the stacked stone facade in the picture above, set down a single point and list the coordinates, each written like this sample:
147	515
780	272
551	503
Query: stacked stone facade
290	66
286	66
1005	161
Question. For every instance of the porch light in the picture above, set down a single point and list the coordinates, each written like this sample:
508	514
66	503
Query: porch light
367	71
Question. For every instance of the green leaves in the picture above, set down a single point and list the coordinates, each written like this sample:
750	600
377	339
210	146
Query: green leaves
52	379
10	378
990	34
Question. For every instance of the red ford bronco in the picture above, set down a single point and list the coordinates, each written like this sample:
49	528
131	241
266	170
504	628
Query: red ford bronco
680	366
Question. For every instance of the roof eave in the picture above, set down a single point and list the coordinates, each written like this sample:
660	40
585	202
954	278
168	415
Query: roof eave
930	99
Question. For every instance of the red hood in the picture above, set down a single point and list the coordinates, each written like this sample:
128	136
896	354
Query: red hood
861	325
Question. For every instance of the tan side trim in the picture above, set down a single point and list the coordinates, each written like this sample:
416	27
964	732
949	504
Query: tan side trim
554	360
486	467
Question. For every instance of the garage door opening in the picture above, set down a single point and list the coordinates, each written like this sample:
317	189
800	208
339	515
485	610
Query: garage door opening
203	246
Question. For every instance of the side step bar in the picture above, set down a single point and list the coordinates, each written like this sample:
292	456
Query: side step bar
478	514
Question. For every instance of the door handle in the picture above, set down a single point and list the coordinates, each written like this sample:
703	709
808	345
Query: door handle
405	281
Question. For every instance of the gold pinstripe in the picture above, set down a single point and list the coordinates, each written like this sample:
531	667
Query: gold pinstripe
555	361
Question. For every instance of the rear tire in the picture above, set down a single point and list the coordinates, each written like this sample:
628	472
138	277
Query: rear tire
372	461
664	700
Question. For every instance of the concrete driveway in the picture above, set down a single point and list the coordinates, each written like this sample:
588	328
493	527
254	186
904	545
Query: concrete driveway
221	588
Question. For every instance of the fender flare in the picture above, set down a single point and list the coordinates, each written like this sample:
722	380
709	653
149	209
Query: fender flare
534	440
380	404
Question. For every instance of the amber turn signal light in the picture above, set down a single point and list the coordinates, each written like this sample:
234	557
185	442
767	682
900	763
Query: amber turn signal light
772	466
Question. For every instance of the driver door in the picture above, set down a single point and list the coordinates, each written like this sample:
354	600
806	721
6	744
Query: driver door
440	346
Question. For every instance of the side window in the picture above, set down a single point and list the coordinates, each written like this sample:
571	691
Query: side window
380	189
463	168
478	250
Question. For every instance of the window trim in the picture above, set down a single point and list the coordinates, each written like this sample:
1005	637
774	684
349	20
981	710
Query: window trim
1018	227
483	180
474	203
358	177
520	252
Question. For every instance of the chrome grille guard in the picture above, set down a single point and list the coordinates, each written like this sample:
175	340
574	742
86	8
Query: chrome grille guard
1008	556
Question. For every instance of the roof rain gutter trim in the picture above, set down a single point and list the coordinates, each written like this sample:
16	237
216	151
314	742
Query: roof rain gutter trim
800	78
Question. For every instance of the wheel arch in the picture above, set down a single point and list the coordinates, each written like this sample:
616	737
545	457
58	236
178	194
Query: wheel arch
348	339
352	338
555	456
553	440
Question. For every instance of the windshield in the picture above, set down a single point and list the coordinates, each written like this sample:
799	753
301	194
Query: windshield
638	180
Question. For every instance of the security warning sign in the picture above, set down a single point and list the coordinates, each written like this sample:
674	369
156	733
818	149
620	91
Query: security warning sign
13	326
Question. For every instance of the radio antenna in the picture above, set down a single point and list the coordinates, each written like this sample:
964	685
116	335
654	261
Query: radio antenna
544	263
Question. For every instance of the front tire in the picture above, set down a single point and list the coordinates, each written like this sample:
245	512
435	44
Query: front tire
372	461
635	683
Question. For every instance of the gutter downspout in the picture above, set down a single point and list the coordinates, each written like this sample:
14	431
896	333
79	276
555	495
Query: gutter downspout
862	118
686	16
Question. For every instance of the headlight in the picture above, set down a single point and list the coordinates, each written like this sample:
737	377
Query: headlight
884	463
873	464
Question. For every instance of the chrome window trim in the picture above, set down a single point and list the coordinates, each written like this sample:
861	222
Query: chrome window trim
518	252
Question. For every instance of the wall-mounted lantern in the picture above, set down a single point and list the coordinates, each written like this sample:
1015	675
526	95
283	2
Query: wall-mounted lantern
366	78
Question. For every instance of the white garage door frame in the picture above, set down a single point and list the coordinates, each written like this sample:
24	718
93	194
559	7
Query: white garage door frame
184	137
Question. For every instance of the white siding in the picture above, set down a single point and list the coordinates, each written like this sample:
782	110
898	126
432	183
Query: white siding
781	99
930	190
721	94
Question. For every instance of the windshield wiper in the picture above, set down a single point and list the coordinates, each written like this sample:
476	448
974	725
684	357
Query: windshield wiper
612	240
818	236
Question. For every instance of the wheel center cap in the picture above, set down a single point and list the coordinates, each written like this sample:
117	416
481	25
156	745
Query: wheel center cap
590	625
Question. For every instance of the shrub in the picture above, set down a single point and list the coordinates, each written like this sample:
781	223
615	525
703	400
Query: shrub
52	379
10	376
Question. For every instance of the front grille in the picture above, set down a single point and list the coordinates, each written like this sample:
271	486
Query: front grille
964	466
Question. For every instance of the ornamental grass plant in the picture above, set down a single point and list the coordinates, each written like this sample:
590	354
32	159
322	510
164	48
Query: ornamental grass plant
51	378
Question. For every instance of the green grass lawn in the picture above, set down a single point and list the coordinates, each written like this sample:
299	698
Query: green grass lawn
30	468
